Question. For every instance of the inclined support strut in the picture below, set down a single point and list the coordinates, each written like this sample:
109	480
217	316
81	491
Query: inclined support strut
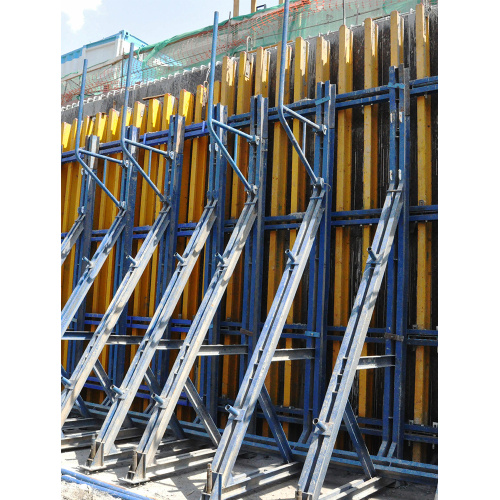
89	360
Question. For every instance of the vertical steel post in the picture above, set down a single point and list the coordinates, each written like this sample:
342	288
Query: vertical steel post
403	269
123	250
214	246
168	244
392	273
319	264
253	278
75	349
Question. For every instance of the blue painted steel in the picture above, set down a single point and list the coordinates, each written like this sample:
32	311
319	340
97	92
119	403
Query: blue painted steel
281	107
252	387
117	491
177	378
319	264
204	319
149	344
210	121
419	213
253	382
89	360
304	108
168	245
254	255
123	254
403	272
214	247
391	284
83	246
336	400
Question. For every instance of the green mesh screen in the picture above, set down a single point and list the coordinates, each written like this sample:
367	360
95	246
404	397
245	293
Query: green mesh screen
248	32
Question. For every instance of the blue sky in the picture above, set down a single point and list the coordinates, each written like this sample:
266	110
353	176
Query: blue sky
85	21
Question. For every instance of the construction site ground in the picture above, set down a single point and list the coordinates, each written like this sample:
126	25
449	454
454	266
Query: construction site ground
187	485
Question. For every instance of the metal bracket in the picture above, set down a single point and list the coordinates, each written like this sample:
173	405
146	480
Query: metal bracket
393	336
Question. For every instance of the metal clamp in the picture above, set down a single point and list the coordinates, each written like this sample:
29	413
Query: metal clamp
90	264
160	401
181	259
322	427
133	262
235	413
293	259
393	336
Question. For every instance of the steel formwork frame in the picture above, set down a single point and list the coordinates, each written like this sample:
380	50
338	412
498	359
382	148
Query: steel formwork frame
397	337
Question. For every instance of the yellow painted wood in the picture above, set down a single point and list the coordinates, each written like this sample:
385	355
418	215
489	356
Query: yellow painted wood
397	37
424	233
228	84
143	299
322	60
197	189
277	240
370	185
103	284
65	146
186	108
169	109
341	290
262	60
70	174
228	92
297	204
67	131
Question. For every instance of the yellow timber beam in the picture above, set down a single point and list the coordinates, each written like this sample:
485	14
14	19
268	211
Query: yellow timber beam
370	185
277	239
424	232
343	199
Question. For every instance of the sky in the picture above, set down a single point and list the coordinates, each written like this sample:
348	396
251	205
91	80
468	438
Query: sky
86	21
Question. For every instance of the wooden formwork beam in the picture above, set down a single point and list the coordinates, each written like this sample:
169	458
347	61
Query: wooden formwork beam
277	240
142	296
234	294
105	213
341	290
298	190
199	158
370	187
424	231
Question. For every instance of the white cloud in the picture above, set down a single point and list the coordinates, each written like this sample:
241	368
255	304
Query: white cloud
74	9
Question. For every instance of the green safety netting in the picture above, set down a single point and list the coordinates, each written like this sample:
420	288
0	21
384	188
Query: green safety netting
247	32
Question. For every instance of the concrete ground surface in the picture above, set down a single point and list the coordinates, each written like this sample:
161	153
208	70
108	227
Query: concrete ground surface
188	485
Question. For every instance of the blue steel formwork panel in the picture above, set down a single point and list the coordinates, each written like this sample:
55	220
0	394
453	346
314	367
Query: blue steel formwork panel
424	213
